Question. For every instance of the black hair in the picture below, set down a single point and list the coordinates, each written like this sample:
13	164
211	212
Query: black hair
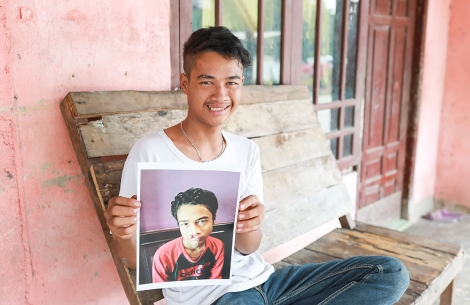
218	39
195	196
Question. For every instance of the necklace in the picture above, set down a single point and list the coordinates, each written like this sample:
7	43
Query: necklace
197	150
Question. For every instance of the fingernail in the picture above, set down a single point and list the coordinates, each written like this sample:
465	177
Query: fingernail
136	203
242	207
241	216
135	219
135	211
239	230
240	225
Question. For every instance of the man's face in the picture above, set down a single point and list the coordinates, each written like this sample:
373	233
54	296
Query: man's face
195	222
213	89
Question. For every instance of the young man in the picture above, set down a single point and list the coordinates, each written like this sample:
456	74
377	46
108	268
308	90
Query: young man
212	80
196	255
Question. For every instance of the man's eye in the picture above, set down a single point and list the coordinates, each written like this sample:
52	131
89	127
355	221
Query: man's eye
183	224
201	222
232	83
205	83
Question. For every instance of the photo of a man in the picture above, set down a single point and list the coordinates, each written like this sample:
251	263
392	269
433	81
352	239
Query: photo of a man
187	224
196	254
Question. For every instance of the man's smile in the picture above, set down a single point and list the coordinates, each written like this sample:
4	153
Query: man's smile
211	108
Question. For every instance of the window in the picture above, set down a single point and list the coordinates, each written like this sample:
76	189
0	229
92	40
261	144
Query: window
286	39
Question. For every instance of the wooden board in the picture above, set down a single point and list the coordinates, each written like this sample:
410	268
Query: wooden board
95	104
114	134
289	148
431	268
296	218
288	185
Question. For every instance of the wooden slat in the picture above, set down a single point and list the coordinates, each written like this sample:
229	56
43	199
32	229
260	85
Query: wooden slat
443	281
289	148
115	134
135	298
94	104
404	251
422	267
300	181
260	120
410	238
306	214
414	292
107	179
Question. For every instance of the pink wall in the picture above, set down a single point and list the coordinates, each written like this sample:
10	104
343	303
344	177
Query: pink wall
53	250
453	163
432	92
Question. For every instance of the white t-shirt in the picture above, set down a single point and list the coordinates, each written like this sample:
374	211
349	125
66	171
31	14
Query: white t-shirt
247	270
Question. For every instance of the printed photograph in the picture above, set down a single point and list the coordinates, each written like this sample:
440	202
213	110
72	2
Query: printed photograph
186	224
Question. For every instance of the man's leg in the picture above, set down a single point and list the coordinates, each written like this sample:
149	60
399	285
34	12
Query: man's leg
253	296
374	280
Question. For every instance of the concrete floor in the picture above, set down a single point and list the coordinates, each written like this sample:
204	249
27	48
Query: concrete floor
457	233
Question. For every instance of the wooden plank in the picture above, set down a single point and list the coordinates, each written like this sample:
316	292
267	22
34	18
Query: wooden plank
443	281
107	179
414	291
410	238
404	251
290	185
94	104
306	214
289	148
343	248
260	120
347	222
446	296
115	134
135	298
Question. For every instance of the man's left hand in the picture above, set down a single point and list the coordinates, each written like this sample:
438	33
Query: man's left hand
250	214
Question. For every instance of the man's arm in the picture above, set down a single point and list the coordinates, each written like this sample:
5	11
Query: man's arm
250	216
121	218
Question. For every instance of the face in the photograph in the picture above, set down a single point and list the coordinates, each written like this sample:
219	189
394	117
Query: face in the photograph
195	223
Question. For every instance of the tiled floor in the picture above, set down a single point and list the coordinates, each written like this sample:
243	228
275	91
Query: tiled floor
457	233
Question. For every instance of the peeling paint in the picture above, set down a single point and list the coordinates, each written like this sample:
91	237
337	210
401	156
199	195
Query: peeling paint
60	181
6	109
45	166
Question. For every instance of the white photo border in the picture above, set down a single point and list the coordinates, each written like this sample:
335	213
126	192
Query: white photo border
187	167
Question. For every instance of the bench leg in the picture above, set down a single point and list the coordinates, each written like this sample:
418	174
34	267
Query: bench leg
446	296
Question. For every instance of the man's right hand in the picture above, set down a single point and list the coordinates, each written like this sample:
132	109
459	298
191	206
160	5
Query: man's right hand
121	216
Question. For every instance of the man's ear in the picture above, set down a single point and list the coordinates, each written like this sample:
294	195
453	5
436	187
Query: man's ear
184	83
243	79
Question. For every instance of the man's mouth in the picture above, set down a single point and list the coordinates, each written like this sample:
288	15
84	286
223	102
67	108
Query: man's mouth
217	108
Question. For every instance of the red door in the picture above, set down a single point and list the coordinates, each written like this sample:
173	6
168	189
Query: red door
388	76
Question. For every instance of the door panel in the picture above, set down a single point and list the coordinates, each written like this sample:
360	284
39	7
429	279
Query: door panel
389	52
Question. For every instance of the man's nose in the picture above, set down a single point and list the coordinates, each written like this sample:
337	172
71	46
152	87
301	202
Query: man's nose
220	93
194	229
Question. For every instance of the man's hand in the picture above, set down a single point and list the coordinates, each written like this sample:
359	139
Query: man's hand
250	216
121	216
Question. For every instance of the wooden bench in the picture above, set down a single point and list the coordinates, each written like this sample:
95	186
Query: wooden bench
302	184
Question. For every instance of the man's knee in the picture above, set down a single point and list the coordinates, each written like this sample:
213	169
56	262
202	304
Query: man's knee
397	270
